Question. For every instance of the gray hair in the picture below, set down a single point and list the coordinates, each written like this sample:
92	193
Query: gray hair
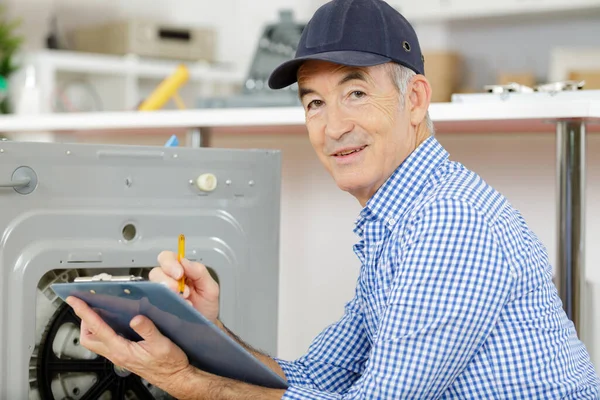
401	77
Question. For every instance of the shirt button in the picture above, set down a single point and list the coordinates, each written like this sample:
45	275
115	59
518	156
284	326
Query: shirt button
391	221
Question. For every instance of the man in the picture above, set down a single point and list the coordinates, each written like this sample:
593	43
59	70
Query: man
454	299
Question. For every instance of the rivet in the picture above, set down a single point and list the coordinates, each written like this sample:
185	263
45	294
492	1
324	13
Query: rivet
251	183
191	181
175	156
1	150
68	152
127	291
228	182
92	291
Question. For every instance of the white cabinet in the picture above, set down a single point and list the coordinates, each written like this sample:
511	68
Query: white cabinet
443	10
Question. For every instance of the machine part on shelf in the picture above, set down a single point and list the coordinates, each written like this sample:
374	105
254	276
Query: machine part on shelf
60	368
544	92
508	88
147	38
77	95
570	268
555	87
278	43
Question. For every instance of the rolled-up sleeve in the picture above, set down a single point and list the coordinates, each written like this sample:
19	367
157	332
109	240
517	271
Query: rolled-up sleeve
449	289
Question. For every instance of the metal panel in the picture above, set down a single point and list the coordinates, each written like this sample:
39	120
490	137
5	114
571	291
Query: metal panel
102	208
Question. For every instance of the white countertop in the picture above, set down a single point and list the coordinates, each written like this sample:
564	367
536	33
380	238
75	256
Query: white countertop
480	117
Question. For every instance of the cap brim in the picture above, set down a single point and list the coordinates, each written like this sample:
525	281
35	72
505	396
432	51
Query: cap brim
285	74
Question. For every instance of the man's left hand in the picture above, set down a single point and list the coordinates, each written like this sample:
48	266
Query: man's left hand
156	358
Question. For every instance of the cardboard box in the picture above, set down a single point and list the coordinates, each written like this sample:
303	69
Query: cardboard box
591	78
443	71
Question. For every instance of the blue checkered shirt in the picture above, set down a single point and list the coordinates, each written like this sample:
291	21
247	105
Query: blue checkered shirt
454	300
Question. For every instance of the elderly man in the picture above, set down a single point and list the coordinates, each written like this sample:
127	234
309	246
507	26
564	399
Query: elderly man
455	298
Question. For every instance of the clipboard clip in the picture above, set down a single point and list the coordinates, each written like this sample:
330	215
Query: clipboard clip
108	278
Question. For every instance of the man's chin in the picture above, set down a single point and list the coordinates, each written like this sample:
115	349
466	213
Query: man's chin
352	186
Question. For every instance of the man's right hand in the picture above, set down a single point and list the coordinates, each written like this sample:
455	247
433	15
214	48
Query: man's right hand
201	290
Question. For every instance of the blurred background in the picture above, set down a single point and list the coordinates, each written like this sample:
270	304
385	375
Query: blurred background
467	44
71	56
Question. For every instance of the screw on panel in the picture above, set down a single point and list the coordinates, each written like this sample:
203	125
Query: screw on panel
128	182
175	156
1	150
251	183
68	152
228	182
191	181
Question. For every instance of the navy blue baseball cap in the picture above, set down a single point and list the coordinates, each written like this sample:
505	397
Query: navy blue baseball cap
358	33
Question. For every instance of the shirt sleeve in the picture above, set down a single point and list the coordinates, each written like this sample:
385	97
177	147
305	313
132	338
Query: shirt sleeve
449	288
335	358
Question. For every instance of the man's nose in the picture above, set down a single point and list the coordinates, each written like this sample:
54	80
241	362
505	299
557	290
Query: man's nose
338	122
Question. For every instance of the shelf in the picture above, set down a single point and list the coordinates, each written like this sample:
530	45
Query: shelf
90	63
448	117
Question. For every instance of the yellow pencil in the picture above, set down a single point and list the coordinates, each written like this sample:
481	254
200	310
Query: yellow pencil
180	256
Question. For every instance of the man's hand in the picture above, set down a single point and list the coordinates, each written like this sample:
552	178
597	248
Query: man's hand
201	290
155	358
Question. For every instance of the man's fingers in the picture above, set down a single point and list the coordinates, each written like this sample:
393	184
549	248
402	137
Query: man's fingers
96	335
194	271
170	265
146	329
158	275
94	323
198	273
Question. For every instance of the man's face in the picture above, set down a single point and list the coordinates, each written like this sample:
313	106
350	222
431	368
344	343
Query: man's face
355	123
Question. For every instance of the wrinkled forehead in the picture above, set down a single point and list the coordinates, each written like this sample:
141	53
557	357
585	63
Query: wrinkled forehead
316	69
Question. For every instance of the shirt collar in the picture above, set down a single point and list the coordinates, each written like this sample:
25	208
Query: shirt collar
400	190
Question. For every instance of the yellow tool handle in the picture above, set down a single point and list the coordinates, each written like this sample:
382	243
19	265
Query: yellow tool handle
166	89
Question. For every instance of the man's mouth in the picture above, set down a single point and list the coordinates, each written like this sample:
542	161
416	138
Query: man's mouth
348	151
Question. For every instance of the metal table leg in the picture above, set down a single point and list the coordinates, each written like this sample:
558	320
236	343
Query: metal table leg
570	273
194	137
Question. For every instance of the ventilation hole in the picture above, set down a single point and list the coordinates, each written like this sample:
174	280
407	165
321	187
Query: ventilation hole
406	45
76	391
75	341
129	232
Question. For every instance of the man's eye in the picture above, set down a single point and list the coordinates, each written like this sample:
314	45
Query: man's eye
314	103
358	93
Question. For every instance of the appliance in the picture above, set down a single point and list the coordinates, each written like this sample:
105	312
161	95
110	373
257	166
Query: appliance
278	43
147	39
77	210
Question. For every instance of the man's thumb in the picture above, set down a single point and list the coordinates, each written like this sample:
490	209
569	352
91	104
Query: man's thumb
145	328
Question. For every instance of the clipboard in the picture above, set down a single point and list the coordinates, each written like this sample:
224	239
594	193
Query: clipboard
117	300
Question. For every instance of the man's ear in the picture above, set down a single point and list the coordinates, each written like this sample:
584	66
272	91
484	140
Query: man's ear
420	98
